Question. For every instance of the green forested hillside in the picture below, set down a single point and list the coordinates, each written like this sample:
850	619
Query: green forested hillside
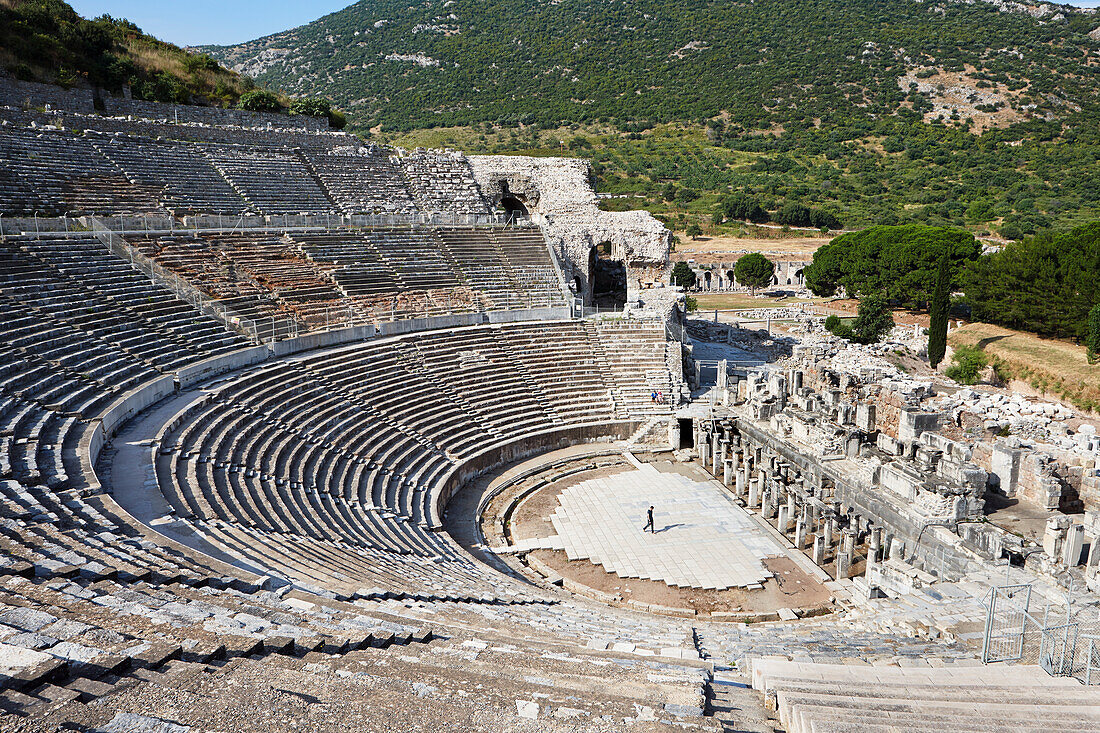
764	63
874	111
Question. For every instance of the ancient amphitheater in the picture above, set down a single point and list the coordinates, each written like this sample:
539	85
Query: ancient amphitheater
302	433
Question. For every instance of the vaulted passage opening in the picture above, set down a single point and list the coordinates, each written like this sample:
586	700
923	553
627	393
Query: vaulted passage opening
608	277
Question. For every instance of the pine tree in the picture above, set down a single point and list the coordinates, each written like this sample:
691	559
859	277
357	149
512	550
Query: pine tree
941	307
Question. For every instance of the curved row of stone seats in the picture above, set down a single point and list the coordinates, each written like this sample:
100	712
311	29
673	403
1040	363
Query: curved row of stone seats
273	181
356	263
361	179
76	281
341	453
417	258
217	265
182	179
511	266
56	172
474	251
557	359
475	372
526	253
825	698
443	181
633	355
193	114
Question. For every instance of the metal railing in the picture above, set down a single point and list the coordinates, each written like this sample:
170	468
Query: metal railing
266	329
179	287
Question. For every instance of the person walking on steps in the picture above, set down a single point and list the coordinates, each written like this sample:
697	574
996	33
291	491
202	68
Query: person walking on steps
649	522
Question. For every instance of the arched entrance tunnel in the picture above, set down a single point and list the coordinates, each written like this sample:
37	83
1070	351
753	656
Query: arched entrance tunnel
608	276
513	207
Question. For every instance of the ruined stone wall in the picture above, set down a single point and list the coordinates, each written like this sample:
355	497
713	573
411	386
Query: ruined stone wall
559	196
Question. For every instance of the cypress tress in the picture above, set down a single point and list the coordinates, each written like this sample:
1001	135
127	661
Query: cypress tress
941	307
1094	331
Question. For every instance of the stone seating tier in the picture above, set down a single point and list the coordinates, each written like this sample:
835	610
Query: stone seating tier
53	173
318	280
342	453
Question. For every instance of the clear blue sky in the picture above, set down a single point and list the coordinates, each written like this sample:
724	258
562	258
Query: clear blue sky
196	22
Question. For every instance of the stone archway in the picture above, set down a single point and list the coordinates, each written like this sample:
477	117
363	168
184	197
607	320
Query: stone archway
514	208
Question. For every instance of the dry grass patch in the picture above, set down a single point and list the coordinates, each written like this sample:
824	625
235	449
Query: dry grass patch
729	301
1058	368
728	248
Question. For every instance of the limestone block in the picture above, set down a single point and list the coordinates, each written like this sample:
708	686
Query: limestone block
914	422
1006	468
1074	543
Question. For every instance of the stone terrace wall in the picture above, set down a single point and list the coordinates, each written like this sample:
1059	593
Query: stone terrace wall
558	194
213	115
15	93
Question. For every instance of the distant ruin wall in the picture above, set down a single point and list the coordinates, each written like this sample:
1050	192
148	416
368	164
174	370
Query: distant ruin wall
559	196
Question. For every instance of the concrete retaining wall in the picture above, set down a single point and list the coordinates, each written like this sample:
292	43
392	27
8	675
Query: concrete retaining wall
208	368
458	320
97	432
322	340
535	314
518	449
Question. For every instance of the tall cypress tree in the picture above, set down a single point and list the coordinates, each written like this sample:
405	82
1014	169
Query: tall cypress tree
1093	341
941	307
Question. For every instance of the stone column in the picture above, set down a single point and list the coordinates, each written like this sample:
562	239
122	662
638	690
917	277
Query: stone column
754	493
739	484
843	564
781	524
800	534
819	550
874	545
829	531
897	548
727	472
848	543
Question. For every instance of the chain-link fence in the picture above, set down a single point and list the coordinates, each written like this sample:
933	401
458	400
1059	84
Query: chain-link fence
1064	641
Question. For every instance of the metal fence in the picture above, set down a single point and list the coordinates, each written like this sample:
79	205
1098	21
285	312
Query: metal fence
1063	641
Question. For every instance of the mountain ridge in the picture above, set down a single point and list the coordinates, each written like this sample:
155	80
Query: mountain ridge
460	62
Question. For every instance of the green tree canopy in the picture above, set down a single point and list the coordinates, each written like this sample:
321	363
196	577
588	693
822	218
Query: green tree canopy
1094	330
1045	284
940	310
683	275
898	261
873	320
754	271
740	206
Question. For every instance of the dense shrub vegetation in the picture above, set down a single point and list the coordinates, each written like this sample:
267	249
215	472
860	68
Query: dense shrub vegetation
968	363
